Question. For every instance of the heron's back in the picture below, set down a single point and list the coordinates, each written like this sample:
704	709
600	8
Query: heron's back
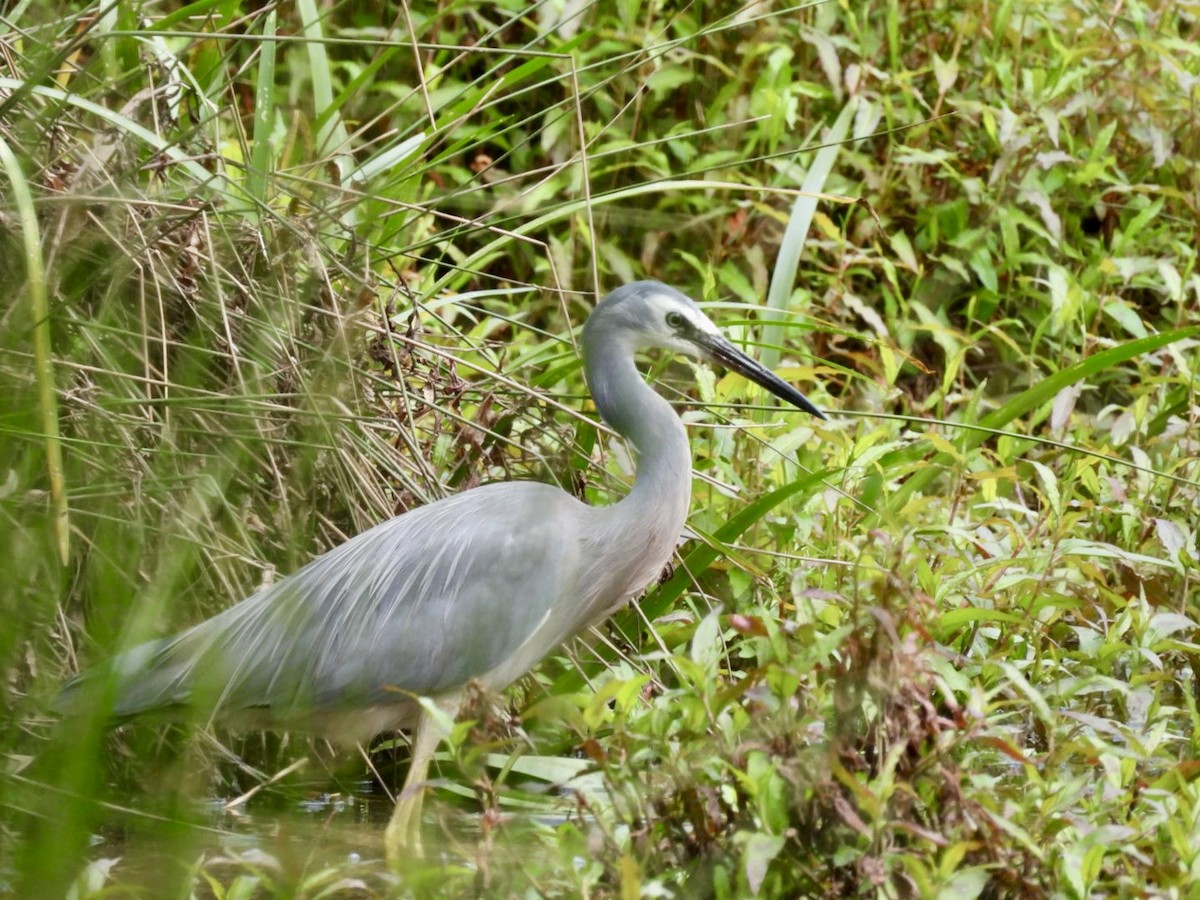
477	586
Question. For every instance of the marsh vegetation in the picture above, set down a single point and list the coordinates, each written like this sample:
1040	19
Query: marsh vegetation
274	273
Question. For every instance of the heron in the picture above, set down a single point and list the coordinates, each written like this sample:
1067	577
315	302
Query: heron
474	588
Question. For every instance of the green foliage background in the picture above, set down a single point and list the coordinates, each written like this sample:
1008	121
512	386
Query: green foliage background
277	272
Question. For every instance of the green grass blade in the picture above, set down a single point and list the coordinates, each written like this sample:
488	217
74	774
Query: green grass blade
332	137
261	153
1042	392
179	157
783	278
39	309
565	211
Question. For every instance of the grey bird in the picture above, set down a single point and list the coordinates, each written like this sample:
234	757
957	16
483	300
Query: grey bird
476	587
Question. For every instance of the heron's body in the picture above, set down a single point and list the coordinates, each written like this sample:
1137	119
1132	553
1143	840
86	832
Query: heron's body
478	586
334	652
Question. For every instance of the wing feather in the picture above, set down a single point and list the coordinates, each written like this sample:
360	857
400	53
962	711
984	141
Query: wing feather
418	605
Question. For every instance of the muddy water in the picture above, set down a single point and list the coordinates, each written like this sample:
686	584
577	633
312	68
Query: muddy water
314	839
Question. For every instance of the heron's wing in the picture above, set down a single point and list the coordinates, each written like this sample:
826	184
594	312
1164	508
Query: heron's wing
418	605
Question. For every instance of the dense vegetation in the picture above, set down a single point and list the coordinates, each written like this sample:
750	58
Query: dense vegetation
275	273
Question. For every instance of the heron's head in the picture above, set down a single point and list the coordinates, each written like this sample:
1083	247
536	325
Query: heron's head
647	314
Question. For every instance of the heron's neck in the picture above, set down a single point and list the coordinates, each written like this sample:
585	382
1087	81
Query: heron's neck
663	485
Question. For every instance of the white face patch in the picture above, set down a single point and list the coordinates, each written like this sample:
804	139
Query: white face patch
704	323
661	317
695	318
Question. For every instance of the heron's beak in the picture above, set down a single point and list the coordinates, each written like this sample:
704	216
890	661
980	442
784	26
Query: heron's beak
720	350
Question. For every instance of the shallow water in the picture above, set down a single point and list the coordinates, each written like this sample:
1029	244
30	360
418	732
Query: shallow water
318	839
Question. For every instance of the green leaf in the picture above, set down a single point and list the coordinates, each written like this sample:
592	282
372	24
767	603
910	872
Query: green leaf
1125	316
707	646
758	852
965	885
957	618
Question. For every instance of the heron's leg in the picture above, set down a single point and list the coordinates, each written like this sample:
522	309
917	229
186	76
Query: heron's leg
403	834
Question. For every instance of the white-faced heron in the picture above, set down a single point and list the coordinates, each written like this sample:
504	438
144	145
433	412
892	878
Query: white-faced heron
479	586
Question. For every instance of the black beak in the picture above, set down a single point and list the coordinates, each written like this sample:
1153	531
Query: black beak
720	350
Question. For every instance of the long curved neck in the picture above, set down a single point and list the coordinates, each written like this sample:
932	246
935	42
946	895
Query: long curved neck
657	505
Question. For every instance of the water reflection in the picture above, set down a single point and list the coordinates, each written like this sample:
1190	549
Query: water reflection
309	837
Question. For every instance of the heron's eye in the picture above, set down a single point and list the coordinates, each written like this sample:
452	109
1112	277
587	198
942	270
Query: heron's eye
675	320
